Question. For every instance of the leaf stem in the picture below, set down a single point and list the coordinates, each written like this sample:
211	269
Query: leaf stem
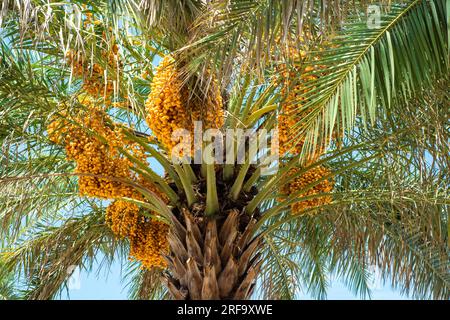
212	201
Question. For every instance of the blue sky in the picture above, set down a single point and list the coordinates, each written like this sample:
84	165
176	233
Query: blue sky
103	286
100	284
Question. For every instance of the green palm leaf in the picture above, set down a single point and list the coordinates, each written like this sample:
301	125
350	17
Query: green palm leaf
369	69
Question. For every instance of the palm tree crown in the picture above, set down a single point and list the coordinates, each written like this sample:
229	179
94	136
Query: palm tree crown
100	107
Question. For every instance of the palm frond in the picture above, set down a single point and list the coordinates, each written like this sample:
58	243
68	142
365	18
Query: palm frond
366	71
390	212
8	291
47	253
246	33
145	284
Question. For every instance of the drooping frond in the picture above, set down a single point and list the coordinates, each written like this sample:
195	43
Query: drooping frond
48	254
247	33
389	213
8	290
145	284
366	69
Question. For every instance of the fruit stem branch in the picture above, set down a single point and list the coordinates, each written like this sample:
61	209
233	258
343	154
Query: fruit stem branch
212	201
237	186
187	185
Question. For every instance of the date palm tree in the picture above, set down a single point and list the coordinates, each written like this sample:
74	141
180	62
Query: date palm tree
91	93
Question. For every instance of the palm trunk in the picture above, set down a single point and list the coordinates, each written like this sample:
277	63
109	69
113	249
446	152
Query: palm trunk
212	257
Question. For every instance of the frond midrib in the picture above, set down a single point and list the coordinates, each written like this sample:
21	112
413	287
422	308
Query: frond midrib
356	62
